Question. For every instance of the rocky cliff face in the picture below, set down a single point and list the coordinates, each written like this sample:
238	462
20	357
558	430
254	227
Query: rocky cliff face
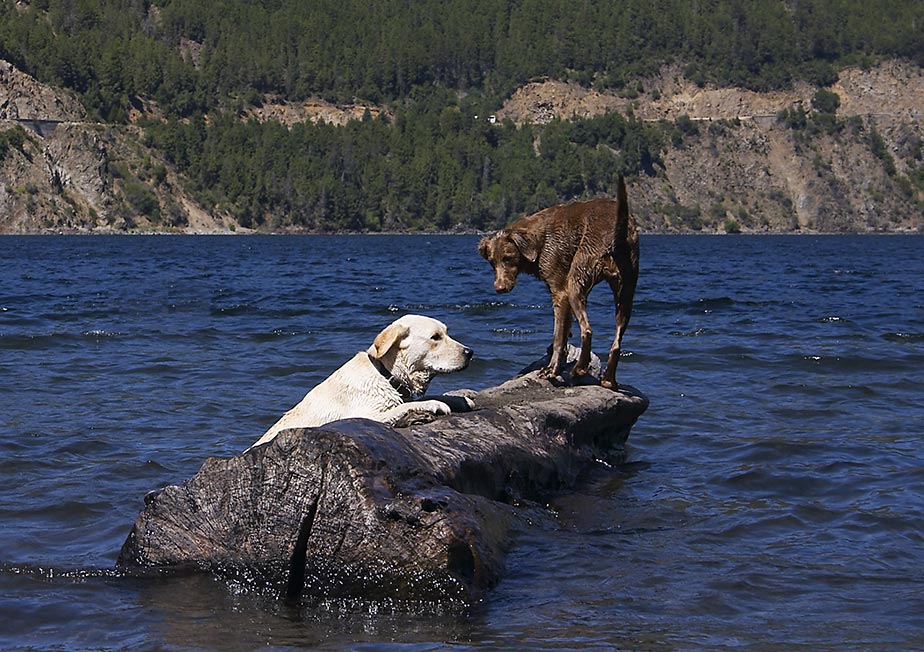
738	166
733	164
764	176
64	173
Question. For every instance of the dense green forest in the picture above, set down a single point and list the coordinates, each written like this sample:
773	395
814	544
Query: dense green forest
429	168
437	64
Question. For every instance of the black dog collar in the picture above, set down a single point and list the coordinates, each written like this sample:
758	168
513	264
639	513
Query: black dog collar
400	386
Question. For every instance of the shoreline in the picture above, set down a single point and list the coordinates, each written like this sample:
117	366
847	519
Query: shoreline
250	232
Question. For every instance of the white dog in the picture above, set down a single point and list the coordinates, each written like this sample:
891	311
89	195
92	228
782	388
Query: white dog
381	382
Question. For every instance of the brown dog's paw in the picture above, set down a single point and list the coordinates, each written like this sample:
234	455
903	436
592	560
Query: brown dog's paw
547	373
610	384
554	378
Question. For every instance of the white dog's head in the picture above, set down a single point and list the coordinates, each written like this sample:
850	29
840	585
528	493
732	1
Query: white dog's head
417	348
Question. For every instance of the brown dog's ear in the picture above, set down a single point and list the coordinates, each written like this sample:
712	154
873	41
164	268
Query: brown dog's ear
388	338
527	244
483	247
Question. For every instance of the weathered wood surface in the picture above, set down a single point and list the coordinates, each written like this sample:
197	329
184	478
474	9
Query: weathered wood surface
358	509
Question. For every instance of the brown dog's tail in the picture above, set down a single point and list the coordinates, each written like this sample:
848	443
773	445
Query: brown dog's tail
622	210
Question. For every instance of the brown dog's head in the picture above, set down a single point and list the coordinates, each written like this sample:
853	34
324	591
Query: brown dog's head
508	251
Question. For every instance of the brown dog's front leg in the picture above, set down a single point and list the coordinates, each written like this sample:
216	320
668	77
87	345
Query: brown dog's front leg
562	312
579	307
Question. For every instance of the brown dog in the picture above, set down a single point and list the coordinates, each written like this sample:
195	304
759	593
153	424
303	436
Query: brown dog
572	247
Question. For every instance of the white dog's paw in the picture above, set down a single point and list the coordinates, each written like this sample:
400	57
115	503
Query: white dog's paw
416	412
458	400
434	407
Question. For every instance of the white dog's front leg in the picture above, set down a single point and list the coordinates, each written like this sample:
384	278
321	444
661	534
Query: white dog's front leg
414	412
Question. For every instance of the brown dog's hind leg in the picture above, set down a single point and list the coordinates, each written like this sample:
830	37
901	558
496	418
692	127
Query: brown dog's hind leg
623	294
609	377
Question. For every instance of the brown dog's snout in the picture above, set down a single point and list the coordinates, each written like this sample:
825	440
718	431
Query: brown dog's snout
502	285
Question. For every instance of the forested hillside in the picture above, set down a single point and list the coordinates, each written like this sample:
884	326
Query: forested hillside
180	82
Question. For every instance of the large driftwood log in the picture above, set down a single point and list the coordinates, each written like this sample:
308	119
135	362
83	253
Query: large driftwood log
358	509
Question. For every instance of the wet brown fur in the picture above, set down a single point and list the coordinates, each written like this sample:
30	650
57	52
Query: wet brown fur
572	247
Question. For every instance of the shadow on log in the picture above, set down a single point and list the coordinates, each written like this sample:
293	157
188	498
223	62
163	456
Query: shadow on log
358	509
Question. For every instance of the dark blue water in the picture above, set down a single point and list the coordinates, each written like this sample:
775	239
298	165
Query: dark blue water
773	498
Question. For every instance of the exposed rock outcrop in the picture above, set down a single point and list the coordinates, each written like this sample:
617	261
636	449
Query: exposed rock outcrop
24	98
358	509
274	109
893	87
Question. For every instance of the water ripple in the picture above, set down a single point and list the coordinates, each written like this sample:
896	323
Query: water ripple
778	470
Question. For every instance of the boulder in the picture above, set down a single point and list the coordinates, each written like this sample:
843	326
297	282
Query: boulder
358	509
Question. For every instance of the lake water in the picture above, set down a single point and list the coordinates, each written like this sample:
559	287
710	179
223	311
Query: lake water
773	498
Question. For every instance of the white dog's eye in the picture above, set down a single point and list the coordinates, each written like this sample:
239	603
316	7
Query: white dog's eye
436	337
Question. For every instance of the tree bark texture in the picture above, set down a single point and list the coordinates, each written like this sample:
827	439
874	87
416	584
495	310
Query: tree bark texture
357	509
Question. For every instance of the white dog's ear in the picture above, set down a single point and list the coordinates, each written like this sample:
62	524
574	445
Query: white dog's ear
388	338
